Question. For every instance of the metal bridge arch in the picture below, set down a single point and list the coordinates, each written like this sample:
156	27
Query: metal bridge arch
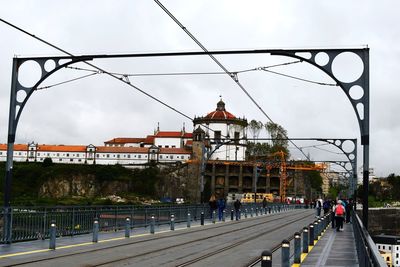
362	113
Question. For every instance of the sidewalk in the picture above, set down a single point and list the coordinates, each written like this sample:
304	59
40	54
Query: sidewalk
334	249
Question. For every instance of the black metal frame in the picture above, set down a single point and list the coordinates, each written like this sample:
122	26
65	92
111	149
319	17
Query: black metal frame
16	106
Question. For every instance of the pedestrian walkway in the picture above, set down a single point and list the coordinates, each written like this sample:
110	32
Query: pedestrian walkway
334	249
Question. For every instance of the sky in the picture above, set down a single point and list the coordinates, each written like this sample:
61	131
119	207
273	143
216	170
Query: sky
98	108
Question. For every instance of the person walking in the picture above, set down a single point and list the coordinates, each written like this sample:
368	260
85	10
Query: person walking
237	206
264	203
221	207
213	205
318	206
339	215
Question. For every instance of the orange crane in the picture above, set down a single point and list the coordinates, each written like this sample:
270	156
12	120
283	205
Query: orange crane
292	166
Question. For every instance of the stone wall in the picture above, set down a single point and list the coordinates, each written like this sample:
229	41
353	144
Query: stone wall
383	220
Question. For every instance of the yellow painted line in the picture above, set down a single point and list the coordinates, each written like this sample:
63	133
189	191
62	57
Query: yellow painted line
75	245
24	253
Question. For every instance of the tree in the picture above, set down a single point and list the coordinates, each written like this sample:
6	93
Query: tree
279	137
255	128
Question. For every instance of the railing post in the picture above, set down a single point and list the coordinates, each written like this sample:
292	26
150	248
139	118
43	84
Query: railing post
188	220
213	216
311	236
316	230
231	215
297	247
53	230
285	253
305	240
152	224
266	258
172	222
245	213
127	227
95	238
251	213
202	218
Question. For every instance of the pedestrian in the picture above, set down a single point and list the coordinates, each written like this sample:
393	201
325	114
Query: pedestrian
348	208
264	203
339	215
318	206
326	206
237	206
221	208
333	213
213	205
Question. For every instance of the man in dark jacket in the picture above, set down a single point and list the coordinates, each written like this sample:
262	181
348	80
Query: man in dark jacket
237	206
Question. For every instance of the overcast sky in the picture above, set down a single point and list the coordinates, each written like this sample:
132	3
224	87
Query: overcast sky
99	108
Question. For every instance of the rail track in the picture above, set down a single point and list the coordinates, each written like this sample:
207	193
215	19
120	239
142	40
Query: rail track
112	262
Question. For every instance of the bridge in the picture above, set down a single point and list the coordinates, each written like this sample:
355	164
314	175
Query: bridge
277	235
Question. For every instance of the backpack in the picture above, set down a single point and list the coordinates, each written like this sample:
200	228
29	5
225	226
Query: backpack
339	210
326	205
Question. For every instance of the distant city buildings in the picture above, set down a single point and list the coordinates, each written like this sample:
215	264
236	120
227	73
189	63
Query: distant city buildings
221	128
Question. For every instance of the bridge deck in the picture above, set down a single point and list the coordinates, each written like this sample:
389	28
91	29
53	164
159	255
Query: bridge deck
334	249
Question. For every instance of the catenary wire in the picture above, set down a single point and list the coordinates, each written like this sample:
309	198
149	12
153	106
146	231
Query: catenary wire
102	71
67	81
233	77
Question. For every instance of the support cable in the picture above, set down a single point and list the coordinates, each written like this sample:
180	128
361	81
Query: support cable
219	64
67	81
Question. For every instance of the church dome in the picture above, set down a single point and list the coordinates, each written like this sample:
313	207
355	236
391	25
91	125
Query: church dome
220	113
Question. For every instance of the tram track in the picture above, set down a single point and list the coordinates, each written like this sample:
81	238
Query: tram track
105	249
241	242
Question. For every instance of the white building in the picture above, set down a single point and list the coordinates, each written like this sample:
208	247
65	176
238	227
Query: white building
389	244
227	134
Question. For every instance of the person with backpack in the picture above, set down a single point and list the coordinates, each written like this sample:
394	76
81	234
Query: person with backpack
339	215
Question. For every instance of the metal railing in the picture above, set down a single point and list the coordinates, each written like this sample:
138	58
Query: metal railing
368	254
31	223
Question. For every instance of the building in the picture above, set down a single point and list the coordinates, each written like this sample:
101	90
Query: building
225	132
389	247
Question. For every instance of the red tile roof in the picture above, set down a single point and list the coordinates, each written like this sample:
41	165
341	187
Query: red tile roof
149	140
61	148
124	140
17	147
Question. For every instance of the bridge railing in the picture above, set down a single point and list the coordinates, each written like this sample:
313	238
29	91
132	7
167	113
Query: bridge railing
368	254
31	223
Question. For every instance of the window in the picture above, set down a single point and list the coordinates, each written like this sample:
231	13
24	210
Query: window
397	255
383	247
217	136
37	153
67	154
390	248
58	154
118	156
60	159
79	160
171	156
97	156
182	158
159	146
71	160
379	246
167	146
236	137
139	156
160	156
129	156
173	146
108	155
48	154
387	258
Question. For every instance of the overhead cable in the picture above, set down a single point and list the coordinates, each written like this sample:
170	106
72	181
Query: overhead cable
219	64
